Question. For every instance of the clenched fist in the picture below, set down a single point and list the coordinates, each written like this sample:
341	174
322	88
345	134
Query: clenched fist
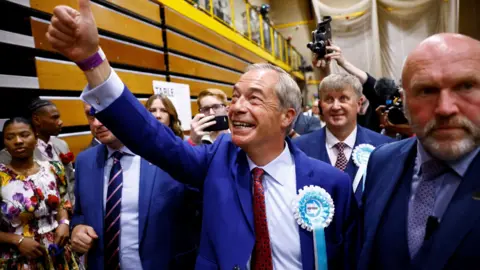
83	237
74	33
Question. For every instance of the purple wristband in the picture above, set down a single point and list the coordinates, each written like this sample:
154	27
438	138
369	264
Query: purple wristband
64	221
92	61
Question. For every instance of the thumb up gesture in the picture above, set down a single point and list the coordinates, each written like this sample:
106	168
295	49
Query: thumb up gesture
74	33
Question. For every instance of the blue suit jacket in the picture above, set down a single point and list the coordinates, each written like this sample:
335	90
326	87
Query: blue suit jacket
164	205
228	238
306	124
313	144
453	244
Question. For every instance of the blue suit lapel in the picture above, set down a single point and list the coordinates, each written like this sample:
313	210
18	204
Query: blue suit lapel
460	217
387	185
241	174
147	181
98	189
303	178
322	139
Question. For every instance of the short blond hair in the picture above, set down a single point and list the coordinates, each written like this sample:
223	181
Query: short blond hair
339	82
214	93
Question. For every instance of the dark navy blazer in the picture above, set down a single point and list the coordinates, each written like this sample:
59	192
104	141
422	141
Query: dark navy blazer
167	221
453	244
313	144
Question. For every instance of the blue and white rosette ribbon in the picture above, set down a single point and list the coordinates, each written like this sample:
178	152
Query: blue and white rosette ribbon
360	157
313	210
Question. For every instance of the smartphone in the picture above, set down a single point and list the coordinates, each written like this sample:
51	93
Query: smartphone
221	124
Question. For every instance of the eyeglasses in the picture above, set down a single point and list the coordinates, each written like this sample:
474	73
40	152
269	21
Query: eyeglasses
214	107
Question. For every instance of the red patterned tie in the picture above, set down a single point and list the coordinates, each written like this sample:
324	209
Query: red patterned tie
262	253
342	161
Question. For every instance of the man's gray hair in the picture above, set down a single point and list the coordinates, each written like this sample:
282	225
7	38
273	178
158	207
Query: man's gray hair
339	82
286	89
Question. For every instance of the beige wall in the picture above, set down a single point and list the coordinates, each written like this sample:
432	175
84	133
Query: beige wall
296	11
469	18
260	2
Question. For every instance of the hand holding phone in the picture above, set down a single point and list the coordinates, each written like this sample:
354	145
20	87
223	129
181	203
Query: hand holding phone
221	123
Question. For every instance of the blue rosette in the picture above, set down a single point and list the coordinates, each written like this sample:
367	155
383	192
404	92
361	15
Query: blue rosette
314	210
360	156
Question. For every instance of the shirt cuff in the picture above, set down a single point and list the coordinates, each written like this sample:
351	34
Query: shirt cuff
105	94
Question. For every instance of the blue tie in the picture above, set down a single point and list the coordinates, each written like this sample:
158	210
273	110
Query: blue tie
112	217
423	204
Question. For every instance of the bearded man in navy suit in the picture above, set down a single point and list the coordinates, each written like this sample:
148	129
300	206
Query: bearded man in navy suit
421	196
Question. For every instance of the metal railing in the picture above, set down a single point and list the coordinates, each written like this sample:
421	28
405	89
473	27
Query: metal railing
243	18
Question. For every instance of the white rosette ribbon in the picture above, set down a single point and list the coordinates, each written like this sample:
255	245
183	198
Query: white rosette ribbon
313	209
360	156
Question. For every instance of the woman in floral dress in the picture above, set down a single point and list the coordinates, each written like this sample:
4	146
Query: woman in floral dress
34	209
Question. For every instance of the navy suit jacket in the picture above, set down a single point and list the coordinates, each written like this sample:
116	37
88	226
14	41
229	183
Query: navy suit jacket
313	144
453	244
228	237
164	205
306	124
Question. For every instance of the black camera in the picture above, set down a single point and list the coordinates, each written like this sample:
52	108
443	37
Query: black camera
320	38
389	91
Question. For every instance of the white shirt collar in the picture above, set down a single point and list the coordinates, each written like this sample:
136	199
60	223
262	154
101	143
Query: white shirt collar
124	150
43	144
331	140
272	168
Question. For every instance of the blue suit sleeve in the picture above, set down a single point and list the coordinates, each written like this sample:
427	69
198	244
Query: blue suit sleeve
351	228
77	217
144	135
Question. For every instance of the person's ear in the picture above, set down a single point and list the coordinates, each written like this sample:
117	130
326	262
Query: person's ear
35	120
288	117
360	102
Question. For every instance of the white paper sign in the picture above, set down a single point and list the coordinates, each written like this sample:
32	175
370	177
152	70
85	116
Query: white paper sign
179	94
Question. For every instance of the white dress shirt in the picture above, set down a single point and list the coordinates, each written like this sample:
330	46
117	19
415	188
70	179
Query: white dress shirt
42	146
129	242
332	151
280	185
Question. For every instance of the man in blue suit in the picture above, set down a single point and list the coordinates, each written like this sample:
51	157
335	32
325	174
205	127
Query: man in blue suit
422	194
249	177
156	215
340	100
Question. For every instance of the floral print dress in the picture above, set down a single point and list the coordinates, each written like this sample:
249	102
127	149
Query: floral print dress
29	207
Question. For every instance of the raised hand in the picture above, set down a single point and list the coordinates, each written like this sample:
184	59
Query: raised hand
74	33
335	53
198	124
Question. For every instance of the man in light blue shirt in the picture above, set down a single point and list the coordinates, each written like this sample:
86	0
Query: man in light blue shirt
153	223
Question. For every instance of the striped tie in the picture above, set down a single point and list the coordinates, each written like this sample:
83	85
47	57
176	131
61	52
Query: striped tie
112	218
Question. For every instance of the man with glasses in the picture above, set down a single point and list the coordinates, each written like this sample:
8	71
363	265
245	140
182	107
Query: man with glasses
211	103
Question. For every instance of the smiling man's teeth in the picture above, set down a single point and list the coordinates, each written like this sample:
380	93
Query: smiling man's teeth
240	124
